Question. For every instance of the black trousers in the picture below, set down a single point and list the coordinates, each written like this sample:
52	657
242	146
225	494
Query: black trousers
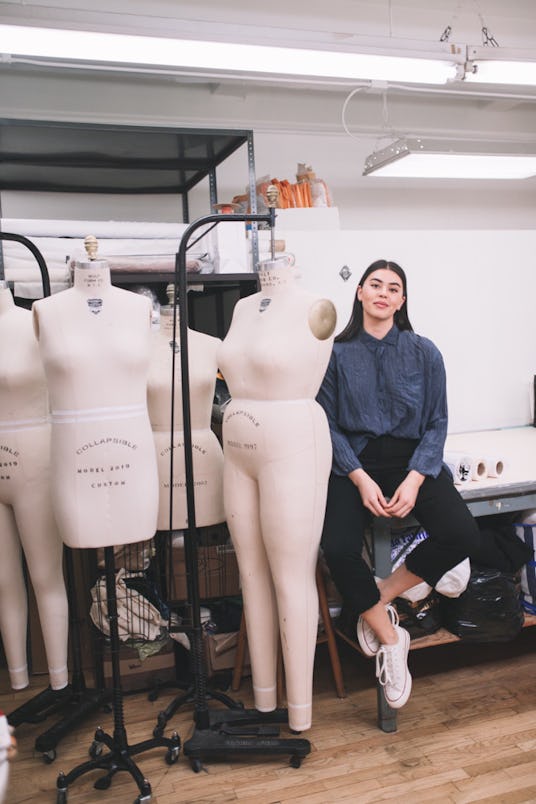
453	534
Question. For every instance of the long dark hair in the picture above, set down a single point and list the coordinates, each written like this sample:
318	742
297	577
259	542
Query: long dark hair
355	324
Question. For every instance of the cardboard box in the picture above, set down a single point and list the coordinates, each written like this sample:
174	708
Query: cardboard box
220	653
138	674
217	572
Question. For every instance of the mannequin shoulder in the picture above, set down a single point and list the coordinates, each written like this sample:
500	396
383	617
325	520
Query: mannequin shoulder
47	309
208	343
322	318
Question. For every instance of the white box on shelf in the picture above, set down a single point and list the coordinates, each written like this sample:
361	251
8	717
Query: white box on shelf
307	218
232	249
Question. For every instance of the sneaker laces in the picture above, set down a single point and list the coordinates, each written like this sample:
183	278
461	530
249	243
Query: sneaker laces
393	614
386	667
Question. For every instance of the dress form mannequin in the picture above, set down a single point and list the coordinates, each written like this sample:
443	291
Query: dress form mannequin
26	520
207	452
277	452
95	344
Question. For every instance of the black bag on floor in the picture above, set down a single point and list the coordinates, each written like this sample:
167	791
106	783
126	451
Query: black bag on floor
488	611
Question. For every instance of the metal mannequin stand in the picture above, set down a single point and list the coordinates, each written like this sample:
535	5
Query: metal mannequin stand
119	756
218	734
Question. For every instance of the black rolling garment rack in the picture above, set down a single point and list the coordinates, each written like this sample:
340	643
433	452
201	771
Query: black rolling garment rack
220	734
75	701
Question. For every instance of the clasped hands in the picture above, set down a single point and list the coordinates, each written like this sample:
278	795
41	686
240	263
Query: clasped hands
399	505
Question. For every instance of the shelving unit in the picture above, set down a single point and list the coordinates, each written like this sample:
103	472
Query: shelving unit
54	156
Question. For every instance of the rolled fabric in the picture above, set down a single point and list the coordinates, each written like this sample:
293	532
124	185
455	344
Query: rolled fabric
479	469
460	465
495	466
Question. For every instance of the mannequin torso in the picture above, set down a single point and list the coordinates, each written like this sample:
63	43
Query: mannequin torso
206	449
95	345
286	326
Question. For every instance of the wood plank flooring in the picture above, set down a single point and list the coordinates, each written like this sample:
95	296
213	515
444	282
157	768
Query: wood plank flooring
467	734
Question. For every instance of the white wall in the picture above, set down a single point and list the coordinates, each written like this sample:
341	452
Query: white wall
472	292
468	247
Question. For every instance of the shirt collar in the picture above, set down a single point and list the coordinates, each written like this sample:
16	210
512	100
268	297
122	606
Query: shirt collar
391	339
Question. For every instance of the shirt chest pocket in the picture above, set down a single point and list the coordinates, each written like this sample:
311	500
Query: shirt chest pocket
407	394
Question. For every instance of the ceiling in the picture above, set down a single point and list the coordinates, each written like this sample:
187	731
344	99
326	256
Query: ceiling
457	110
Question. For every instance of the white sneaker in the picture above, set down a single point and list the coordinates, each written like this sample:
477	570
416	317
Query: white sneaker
392	670
368	641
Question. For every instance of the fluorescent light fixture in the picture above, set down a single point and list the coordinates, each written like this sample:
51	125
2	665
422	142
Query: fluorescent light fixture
497	65
191	57
444	159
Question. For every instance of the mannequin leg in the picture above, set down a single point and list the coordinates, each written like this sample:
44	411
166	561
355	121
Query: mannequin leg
13	601
260	608
294	497
43	550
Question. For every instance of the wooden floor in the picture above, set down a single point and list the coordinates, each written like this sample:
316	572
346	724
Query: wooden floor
467	734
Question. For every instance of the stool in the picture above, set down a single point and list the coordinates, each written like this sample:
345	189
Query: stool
328	636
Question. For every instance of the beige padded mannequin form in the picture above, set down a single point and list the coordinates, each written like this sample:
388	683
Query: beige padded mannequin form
95	342
206	450
26	520
277	459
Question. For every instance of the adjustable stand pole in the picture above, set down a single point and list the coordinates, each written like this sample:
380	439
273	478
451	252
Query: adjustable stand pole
218	734
119	756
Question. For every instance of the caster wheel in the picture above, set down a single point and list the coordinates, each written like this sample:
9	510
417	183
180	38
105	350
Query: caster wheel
196	765
103	783
61	797
295	762
49	756
172	756
95	749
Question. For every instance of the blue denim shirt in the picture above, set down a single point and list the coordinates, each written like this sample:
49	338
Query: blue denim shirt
394	386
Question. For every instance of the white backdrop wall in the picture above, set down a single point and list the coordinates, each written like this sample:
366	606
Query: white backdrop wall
472	292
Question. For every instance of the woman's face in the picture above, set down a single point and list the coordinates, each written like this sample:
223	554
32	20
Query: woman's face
381	295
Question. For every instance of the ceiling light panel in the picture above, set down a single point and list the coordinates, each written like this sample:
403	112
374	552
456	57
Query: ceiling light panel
197	57
417	158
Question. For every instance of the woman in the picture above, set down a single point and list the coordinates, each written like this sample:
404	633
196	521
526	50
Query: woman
384	394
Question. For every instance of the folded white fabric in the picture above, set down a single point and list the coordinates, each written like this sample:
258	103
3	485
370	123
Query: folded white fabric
455	581
417	592
451	584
